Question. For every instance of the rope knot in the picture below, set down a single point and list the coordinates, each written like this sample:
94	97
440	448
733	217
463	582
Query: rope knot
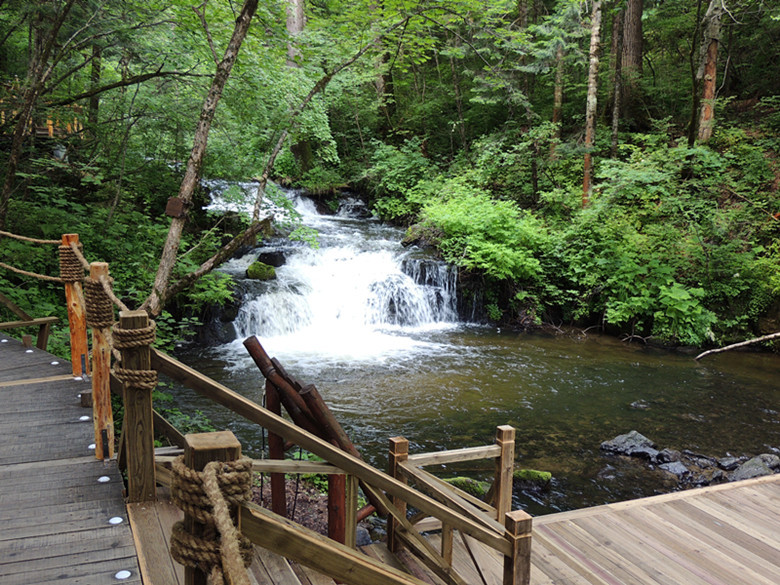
100	310
206	497
71	269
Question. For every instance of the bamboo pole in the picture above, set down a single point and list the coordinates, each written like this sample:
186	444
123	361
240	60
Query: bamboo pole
102	416
77	319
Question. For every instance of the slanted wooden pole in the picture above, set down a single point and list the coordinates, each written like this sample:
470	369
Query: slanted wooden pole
276	451
399	452
138	426
517	566
505	463
201	449
102	416
77	318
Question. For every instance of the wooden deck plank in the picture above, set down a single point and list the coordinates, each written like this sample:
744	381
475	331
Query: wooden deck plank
54	512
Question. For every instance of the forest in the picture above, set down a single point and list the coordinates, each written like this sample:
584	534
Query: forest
600	164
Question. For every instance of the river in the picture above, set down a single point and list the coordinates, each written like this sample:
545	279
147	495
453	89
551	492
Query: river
374	326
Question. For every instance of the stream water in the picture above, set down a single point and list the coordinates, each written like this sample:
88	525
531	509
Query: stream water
375	328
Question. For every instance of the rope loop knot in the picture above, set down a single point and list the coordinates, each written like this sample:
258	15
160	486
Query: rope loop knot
71	269
207	496
100	310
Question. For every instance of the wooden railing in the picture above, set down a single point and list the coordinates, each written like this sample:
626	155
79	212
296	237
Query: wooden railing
507	532
43	323
511	538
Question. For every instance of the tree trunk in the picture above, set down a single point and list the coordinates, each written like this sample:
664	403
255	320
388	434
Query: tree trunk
631	59
557	98
38	74
590	111
159	295
295	23
707	72
617	78
94	101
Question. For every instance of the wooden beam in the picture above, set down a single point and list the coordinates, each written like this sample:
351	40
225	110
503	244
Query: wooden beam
313	550
368	474
449	497
455	455
28	323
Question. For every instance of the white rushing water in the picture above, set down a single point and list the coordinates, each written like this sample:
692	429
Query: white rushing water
358	296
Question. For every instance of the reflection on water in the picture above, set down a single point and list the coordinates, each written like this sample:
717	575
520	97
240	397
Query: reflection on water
564	394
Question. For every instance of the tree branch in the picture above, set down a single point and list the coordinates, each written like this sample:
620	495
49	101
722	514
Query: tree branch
740	344
135	79
201	12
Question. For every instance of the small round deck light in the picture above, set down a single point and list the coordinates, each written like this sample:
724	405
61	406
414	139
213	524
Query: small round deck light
28	351
122	575
84	418
104	479
115	520
55	363
91	446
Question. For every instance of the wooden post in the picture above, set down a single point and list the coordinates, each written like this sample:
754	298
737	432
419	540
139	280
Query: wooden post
27	341
505	463
399	452
276	451
350	511
77	319
517	567
102	416
201	449
138	426
337	488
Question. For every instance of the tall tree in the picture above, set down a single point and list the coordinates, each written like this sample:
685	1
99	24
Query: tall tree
160	293
708	67
631	60
590	110
617	76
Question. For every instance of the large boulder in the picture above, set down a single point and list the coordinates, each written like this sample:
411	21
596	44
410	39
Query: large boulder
633	444
765	464
260	271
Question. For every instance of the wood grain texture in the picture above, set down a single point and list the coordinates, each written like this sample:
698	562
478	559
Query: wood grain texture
56	499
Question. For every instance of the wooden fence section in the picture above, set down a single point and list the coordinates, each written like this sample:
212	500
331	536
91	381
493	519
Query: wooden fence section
62	514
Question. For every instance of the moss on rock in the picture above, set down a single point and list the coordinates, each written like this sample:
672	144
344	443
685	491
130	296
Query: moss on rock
532	476
476	488
261	271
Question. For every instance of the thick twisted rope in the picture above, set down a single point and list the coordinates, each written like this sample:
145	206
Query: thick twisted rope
206	497
26	239
71	269
131	338
31	274
100	311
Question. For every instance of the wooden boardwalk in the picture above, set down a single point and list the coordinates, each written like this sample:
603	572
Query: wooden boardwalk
57	501
721	535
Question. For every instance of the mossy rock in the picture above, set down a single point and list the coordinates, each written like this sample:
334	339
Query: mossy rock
478	489
532	479
261	271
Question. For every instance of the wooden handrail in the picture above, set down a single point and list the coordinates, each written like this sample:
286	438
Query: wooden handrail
352	465
43	323
455	455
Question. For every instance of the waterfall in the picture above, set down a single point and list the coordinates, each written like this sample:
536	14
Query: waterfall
359	293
